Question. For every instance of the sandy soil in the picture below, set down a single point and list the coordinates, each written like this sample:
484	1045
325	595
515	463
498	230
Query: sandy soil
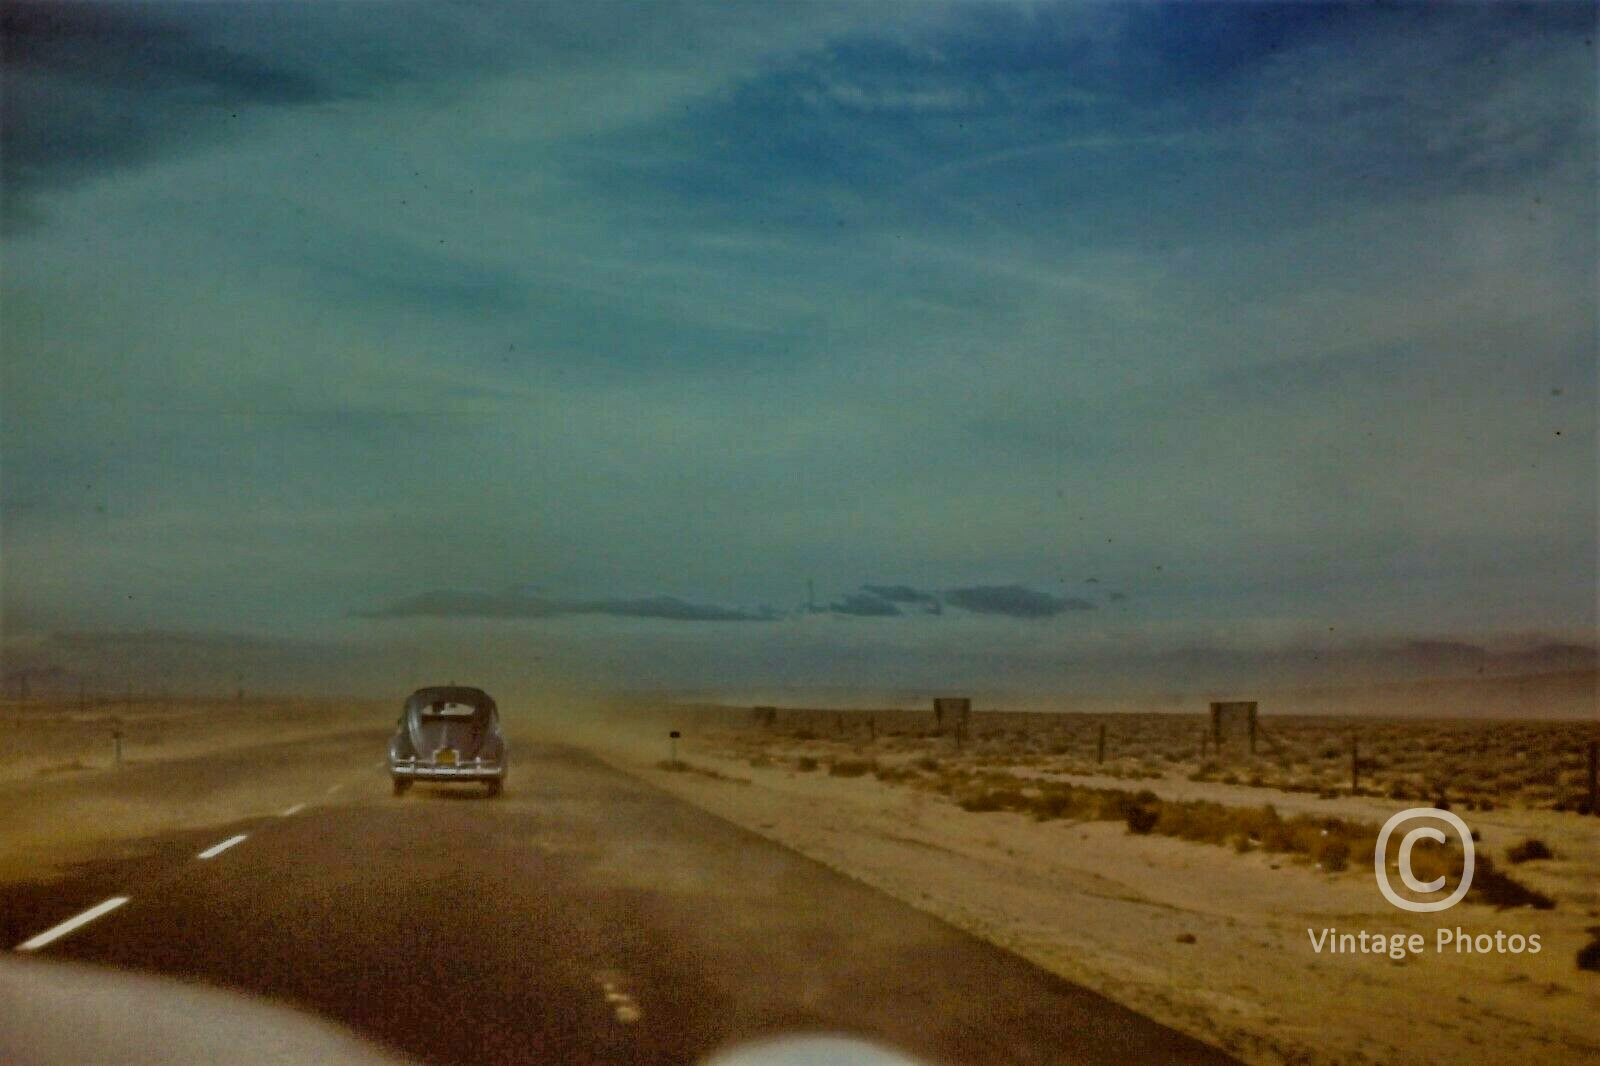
185	766
1106	909
1115	912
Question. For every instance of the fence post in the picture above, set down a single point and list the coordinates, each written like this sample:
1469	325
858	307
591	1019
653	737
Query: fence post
1355	765
1100	745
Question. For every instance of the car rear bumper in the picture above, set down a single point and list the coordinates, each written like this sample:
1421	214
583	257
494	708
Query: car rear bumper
467	771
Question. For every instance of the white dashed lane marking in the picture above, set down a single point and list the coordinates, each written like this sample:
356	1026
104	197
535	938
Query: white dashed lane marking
217	849
57	932
623	1006
70	924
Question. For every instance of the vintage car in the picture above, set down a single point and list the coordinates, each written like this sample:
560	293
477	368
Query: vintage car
448	734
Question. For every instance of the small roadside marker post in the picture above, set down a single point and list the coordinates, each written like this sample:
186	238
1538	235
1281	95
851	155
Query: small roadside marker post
116	743
673	739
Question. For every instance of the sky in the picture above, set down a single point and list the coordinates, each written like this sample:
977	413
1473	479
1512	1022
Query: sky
686	344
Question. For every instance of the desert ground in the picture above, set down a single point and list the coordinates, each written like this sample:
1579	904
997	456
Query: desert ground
57	761
1019	831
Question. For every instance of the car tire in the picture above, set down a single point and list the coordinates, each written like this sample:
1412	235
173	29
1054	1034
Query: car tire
401	786
494	788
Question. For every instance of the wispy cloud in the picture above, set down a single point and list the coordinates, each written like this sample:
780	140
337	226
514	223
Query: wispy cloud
1014	601
864	605
900	594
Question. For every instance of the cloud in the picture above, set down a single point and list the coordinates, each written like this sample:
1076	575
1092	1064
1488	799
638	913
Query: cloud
94	88
864	605
515	604
91	88
1013	600
900	594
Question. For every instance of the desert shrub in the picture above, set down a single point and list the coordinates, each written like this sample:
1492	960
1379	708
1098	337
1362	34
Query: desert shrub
1589	954
992	799
1495	888
1334	855
805	764
1198	820
1529	850
1141	819
760	762
851	767
928	763
1057	803
62	768
680	767
1547	774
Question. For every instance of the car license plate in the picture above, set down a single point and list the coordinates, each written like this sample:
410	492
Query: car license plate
445	757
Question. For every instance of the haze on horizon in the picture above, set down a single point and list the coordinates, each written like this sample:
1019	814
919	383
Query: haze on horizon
349	345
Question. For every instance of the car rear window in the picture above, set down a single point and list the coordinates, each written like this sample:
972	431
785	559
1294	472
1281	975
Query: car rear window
449	710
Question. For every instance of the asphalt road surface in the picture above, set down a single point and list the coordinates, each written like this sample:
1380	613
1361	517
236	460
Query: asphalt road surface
583	917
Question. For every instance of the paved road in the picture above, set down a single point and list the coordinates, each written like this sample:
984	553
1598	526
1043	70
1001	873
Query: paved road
583	917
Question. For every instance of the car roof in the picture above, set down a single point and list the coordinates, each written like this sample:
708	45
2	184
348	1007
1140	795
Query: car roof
451	694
